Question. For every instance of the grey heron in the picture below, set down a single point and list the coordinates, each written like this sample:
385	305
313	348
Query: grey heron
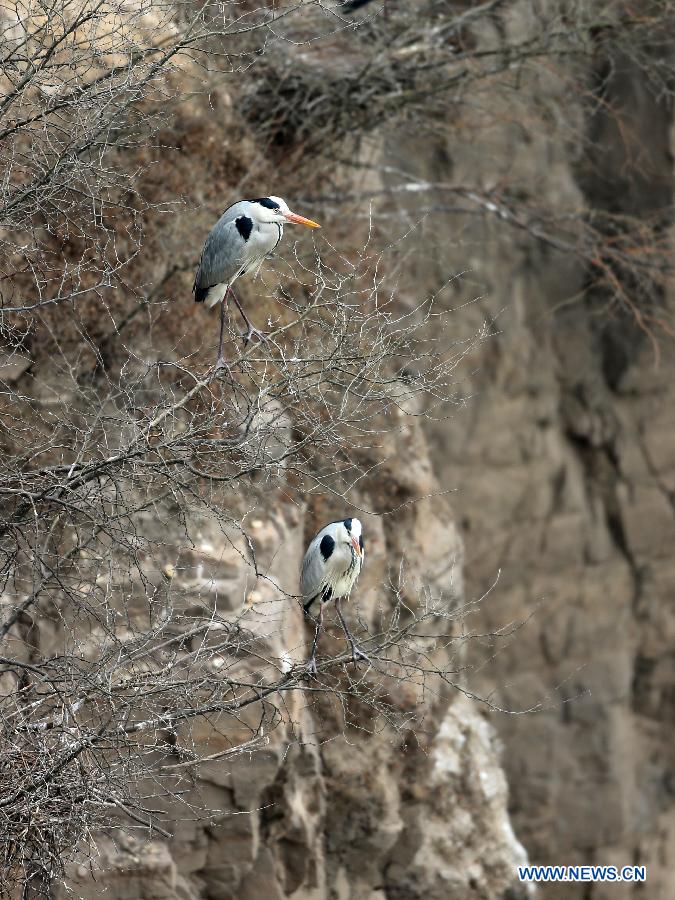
332	564
238	244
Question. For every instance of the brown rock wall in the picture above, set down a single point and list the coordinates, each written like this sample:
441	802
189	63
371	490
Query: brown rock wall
562	465
337	803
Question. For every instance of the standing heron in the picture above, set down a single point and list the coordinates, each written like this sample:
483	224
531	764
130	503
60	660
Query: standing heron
238	244
332	564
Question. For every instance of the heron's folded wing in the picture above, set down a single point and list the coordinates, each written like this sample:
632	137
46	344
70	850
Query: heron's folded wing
221	260
313	575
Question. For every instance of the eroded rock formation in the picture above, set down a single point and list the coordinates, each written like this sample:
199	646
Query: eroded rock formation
328	806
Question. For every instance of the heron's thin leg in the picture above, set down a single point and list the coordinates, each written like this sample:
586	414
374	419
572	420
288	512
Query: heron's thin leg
311	662
356	653
220	359
252	330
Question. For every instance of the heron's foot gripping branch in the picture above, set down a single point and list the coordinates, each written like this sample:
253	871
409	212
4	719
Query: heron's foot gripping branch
358	654
310	668
222	366
254	332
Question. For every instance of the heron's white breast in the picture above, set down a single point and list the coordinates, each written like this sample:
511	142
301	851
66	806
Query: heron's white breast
264	238
344	584
342	573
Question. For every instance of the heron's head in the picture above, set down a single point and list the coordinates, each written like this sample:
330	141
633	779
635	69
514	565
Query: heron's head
353	535
274	209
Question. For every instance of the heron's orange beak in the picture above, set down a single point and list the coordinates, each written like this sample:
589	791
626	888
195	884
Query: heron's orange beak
355	545
300	220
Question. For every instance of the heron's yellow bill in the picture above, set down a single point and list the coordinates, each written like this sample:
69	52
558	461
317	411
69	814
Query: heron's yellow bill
300	220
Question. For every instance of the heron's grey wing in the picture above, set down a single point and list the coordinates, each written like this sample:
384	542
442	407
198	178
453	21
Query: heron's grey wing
313	572
221	259
313	575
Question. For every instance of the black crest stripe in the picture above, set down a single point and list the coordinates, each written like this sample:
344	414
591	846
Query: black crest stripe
244	226
326	546
267	203
348	525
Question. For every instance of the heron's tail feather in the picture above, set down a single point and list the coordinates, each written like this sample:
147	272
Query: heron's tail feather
324	595
211	295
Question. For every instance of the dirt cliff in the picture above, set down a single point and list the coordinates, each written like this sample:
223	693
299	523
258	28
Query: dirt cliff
562	465
538	505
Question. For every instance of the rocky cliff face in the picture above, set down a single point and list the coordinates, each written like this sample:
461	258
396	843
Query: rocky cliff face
400	795
337	802
561	459
563	467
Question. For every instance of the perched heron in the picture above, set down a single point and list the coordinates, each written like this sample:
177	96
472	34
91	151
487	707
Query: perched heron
238	244
330	568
